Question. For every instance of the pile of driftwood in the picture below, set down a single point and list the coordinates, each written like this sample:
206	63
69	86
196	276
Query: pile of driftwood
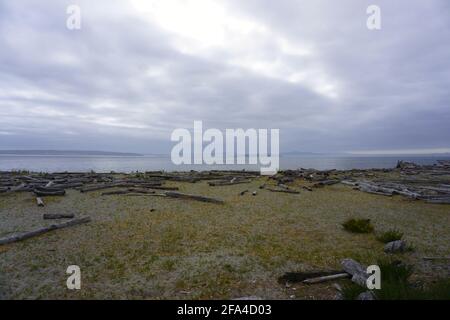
56	184
430	183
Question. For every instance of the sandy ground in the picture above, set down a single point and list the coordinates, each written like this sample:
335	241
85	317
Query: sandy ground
192	250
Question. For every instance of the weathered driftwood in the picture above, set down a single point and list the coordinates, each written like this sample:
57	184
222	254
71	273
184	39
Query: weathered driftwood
283	190
327	278
100	187
164	188
438	201
172	194
227	183
135	194
140	190
325	183
294	277
40	231
39	202
48	216
43	193
68	185
116	192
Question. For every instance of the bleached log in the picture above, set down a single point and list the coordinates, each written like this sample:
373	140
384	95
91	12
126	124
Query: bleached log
42	193
40	231
39	202
327	278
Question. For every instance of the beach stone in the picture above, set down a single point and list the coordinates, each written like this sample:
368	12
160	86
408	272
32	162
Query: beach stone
367	295
395	246
352	267
360	279
356	270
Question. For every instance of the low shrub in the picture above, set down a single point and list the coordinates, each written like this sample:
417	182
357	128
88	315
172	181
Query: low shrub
389	236
395	285
358	225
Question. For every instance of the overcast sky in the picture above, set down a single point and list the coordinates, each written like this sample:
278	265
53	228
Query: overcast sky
136	70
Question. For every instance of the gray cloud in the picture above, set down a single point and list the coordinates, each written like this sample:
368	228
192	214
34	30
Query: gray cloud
139	69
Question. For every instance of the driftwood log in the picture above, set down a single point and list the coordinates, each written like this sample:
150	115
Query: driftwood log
283	190
192	197
48	216
45	193
294	277
227	183
40	231
164	188
39	202
100	187
326	278
116	192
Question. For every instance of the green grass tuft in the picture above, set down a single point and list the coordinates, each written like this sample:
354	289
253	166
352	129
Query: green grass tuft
351	291
358	225
395	285
391	235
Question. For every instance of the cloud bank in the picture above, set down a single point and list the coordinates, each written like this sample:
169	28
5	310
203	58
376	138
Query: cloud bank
138	69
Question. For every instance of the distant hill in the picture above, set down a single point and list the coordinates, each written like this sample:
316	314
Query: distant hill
65	153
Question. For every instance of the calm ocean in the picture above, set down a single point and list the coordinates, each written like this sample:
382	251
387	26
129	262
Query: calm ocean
154	163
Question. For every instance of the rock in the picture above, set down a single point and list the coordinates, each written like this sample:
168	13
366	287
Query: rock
352	267
395	246
360	279
338	296
367	295
358	272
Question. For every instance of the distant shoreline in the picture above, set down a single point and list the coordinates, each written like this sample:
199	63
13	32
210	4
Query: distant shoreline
66	153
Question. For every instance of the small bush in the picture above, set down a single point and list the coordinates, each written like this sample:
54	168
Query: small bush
438	291
395	285
394	271
351	291
358	225
389	236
